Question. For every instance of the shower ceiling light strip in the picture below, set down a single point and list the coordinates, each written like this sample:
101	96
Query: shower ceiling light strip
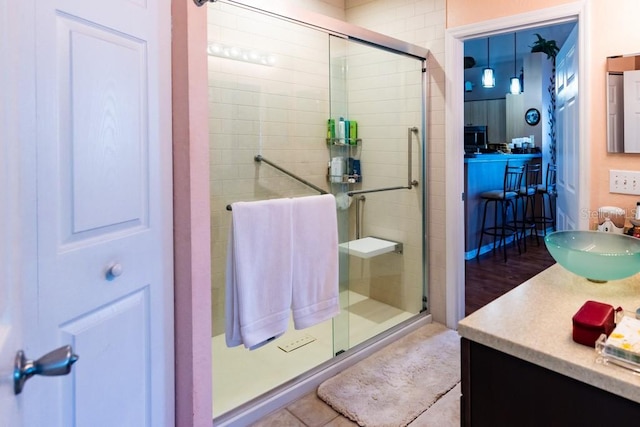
247	55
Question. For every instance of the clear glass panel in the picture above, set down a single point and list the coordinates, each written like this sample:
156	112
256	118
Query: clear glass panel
376	98
278	110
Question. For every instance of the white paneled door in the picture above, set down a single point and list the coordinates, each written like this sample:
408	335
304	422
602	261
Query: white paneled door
631	111
568	135
13	271
615	112
90	191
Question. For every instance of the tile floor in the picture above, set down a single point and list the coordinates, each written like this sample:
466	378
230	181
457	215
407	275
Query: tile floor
310	411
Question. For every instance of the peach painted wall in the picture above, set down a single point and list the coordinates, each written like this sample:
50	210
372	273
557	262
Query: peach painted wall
619	19
463	12
617	23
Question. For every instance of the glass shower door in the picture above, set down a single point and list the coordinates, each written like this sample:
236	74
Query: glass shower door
376	149
274	86
274	108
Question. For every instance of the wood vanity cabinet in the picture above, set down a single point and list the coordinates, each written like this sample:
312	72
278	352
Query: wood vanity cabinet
501	390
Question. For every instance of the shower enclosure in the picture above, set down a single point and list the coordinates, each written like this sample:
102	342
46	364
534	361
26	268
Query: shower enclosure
306	104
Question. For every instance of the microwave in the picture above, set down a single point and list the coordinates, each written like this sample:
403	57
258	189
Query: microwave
475	137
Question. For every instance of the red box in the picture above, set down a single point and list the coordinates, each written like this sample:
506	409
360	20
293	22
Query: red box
593	319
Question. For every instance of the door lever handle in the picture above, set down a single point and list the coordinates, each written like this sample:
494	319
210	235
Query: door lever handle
56	362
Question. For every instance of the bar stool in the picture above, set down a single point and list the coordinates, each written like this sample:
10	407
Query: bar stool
548	194
527	195
504	198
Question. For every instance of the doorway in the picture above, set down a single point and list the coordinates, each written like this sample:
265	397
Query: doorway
455	122
494	108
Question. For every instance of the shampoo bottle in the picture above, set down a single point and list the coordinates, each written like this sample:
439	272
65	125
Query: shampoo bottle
337	169
341	131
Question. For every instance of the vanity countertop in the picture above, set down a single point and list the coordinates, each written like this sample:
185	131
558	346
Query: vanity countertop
533	322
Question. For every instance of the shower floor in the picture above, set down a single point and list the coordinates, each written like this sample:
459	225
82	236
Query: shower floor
240	375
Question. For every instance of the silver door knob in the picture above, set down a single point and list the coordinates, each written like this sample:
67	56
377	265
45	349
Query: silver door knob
57	362
114	271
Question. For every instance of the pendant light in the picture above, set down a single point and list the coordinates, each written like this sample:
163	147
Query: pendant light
488	78
514	85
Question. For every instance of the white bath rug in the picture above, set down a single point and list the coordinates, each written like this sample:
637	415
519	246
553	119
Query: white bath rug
395	385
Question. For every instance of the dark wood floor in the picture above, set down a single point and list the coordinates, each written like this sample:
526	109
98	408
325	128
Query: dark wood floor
489	277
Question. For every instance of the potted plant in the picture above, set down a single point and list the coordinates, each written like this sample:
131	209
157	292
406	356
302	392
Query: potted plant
545	46
551	49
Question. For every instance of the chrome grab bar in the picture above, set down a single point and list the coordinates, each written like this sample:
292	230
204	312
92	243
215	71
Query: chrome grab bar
258	158
410	132
376	190
410	181
359	200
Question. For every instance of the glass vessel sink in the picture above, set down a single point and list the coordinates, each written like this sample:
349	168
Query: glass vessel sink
598	256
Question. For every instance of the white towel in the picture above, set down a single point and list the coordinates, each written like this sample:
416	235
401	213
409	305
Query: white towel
315	260
259	272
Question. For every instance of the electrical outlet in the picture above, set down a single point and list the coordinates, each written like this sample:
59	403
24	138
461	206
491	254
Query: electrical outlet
624	182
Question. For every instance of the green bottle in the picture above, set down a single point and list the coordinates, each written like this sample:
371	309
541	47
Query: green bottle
353	132
331	130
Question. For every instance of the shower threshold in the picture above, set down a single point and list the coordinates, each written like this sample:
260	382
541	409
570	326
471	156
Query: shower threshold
240	375
281	396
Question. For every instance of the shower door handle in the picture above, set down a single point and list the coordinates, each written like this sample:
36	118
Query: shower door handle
410	181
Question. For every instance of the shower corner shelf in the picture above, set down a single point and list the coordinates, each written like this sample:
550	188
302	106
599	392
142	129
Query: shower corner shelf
344	149
369	247
344	142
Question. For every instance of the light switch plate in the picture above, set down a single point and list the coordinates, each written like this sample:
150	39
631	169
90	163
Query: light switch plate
624	182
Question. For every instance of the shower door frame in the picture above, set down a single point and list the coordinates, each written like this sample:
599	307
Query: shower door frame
342	105
334	26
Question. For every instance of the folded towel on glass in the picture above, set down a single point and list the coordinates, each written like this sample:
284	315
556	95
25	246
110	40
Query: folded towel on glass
282	255
315	260
258	280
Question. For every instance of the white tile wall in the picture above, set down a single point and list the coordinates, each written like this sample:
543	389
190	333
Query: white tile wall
421	22
281	112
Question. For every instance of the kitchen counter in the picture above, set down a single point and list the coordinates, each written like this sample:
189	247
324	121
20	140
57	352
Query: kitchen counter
533	324
492	157
485	172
